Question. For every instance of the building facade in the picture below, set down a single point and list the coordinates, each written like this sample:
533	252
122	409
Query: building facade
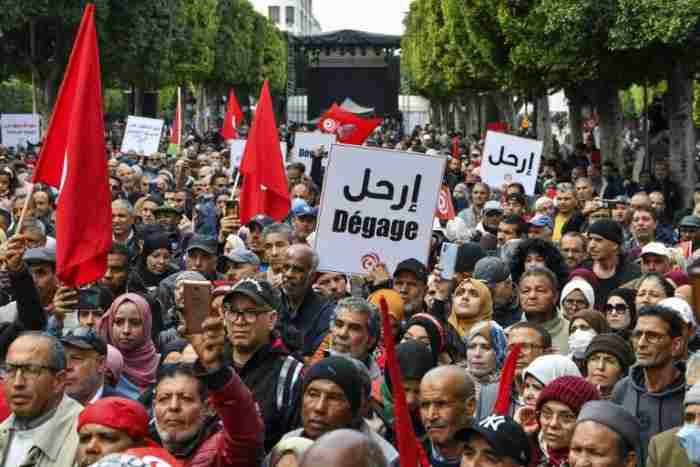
293	16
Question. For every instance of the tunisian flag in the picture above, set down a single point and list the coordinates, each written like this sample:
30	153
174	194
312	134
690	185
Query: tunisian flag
349	128
445	210
73	158
233	118
264	189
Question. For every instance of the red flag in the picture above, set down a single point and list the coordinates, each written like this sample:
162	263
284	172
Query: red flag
410	449
349	128
233	118
264	189
445	209
73	158
176	130
505	387
500	127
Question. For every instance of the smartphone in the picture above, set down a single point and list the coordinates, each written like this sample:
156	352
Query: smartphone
232	208
197	296
448	260
88	299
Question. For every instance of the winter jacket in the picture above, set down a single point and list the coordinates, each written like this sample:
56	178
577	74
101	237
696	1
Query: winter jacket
656	412
275	378
665	449
56	444
312	320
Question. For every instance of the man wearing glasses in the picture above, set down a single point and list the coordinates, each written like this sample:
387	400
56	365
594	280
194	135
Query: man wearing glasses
261	359
655	388
42	428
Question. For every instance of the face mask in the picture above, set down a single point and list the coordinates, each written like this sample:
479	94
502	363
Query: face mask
578	342
689	437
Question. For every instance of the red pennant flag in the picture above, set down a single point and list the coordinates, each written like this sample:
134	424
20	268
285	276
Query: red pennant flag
264	189
176	130
505	387
233	118
349	128
73	158
445	209
411	453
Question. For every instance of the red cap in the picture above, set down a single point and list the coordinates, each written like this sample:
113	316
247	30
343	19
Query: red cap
119	414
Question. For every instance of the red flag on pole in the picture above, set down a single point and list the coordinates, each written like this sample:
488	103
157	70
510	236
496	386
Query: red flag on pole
73	158
264	189
349	128
233	118
445	209
176	130
411	453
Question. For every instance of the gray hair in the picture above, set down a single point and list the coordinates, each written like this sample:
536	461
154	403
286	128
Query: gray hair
279	228
57	354
124	204
360	305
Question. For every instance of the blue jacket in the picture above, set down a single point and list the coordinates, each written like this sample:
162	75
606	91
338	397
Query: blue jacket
312	321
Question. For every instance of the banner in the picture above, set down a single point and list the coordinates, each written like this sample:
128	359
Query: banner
508	159
237	148
142	135
305	143
373	213
20	129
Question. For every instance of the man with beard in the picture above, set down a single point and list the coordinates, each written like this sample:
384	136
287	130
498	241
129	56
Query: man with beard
411	282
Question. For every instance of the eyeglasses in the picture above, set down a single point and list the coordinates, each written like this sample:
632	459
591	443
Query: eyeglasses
619	309
250	315
573	303
525	347
650	336
29	370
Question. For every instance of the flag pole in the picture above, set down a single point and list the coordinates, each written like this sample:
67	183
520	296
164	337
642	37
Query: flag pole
235	184
179	123
18	229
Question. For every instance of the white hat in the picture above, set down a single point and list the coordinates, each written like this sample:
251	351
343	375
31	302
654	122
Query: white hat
655	248
681	307
578	284
547	368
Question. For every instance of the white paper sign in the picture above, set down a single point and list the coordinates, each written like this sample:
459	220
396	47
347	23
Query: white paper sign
142	135
305	143
377	206
19	129
510	159
237	148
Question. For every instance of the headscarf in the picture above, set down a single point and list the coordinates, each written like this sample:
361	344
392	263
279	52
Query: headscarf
547	368
628	295
140	364
594	318
393	299
435	331
114	361
494	334
464	325
581	285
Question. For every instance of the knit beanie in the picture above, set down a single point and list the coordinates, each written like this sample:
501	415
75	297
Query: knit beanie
572	391
614	345
342	372
608	229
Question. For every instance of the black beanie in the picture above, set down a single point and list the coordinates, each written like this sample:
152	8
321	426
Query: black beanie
608	229
467	256
614	345
342	372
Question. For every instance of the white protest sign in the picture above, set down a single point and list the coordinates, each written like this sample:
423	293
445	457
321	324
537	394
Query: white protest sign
237	148
508	159
142	135
377	206
304	145
20	129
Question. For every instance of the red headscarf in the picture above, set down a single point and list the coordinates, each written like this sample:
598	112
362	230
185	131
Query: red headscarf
141	363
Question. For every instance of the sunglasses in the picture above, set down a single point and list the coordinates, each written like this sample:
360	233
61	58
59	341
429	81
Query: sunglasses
619	309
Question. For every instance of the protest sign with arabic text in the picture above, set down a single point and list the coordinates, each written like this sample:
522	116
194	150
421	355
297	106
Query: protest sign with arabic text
509	159
142	135
304	145
20	129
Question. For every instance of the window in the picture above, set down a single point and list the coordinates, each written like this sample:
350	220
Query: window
290	15
274	13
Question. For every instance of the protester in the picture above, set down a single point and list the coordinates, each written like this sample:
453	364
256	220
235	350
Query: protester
495	273
539	291
608	359
494	441
621	311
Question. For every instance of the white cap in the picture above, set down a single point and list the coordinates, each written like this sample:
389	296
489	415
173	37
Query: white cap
655	248
681	307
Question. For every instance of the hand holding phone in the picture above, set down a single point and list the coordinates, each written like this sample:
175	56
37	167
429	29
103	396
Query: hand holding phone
197	296
448	260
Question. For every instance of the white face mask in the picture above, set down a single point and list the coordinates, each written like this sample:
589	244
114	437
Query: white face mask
578	342
689	437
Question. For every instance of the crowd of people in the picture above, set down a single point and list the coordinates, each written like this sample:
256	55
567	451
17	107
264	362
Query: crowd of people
565	337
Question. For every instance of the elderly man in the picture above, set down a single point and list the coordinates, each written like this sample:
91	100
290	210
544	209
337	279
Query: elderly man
447	402
606	435
673	447
42	428
334	394
495	441
123	232
344	448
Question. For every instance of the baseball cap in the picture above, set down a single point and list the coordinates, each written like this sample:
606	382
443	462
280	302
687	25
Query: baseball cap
39	255
503	434
84	338
304	210
261	292
542	221
492	206
262	220
243	256
655	248
491	270
205	243
681	308
414	266
690	221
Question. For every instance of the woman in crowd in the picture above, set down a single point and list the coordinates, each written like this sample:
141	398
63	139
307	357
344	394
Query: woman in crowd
425	328
607	360
154	263
577	296
652	289
471	304
583	327
486	352
621	311
127	326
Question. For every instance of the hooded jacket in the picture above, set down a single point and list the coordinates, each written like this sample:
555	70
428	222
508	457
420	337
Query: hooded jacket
657	412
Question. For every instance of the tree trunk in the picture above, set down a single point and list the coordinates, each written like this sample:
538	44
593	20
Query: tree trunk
682	149
575	116
138	100
506	108
609	107
544	124
199	109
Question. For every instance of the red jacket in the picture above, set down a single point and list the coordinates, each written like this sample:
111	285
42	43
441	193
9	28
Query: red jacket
240	442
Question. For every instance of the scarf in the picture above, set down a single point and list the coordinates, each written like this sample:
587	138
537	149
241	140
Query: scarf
464	325
141	363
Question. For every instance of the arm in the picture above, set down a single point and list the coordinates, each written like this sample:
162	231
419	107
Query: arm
30	314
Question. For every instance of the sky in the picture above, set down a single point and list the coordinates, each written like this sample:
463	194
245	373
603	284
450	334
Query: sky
381	16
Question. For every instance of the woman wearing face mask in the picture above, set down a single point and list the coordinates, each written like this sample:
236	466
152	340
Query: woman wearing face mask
577	296
621	311
584	326
652	289
607	360
486	351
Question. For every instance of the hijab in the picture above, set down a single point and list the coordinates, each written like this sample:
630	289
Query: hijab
496	337
464	325
141	363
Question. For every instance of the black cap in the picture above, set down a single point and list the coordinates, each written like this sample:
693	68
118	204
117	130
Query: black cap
261	292
503	434
84	338
205	243
414	266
